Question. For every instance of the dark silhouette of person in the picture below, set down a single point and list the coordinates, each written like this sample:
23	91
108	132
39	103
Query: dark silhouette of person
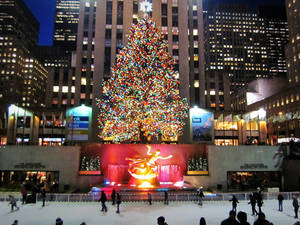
242	217
150	198
161	221
113	196
200	196
262	220
231	219
43	194
234	202
24	194
118	202
166	199
259	200
296	206
103	199
280	200
59	221
253	203
202	221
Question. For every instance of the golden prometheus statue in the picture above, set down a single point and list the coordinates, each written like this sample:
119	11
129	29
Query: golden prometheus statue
145	170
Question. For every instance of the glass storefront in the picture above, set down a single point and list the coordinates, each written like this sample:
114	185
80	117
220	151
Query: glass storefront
250	180
13	179
227	142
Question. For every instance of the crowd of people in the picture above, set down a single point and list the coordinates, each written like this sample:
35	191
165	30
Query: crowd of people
240	218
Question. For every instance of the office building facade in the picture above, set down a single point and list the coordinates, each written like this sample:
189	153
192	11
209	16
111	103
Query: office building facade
241	45
23	76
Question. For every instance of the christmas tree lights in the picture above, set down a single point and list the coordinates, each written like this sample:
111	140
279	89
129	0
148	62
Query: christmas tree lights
142	96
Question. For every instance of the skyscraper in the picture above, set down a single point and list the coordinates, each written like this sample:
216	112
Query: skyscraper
66	23
23	77
293	48
241	45
102	31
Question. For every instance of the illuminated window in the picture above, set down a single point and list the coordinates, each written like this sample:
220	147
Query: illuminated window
73	89
65	89
55	88
83	81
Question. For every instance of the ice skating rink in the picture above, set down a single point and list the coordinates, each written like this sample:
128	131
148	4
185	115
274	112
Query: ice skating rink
139	213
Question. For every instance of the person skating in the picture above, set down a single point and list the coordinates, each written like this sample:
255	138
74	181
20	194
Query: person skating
118	202
161	221
103	199
259	200
150	198
16	222
200	196
166	199
262	220
113	196
280	200
24	194
252	203
234	202
13	203
231	220
295	205
43	194
242	217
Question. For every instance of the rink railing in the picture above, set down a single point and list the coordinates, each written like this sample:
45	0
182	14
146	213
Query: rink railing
156	196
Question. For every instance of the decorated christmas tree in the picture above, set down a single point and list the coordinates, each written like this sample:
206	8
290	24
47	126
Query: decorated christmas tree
141	99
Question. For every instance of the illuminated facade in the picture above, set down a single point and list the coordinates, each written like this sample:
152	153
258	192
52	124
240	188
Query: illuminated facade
102	30
293	48
240	46
66	23
23	77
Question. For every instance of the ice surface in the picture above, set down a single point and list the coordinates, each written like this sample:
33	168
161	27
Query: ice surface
139	213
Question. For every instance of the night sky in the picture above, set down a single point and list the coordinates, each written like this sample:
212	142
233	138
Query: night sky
44	10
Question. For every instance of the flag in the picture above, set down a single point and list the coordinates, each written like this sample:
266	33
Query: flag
228	118
70	121
256	118
61	119
53	119
220	118
44	119
236	118
5	120
247	117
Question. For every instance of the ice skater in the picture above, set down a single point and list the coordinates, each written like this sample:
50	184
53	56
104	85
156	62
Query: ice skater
113	196
13	203
295	205
234	202
259	200
103	199
280	200
118	202
43	194
166	199
200	196
252	203
150	198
